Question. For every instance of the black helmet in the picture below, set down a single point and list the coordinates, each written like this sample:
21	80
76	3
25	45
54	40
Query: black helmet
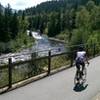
81	48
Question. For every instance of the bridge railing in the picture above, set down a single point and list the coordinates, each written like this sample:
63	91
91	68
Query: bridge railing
15	72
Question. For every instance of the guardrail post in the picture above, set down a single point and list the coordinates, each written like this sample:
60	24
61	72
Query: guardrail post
71	59
34	65
33	56
10	72
49	62
94	50
87	48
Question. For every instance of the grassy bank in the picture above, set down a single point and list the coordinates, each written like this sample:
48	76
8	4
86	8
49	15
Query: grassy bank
21	42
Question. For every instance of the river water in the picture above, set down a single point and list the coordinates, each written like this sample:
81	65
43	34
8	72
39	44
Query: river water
41	47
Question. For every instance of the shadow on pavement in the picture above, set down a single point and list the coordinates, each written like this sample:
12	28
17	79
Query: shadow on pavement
80	87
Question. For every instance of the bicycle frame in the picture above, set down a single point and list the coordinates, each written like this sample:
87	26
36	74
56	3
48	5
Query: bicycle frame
80	77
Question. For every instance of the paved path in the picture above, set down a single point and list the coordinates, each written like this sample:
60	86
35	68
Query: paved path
59	86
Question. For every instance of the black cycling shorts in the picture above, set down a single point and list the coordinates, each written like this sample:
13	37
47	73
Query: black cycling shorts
79	63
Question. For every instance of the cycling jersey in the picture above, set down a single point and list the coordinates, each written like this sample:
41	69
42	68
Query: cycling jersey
80	57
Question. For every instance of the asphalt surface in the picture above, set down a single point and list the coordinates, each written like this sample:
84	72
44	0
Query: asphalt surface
60	86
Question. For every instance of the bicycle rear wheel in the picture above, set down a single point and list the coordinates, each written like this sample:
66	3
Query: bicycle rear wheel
84	75
80	78
77	77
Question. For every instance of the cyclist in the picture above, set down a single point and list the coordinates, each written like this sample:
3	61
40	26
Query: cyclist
81	57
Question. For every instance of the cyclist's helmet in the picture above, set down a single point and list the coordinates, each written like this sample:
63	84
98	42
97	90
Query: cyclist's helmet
81	48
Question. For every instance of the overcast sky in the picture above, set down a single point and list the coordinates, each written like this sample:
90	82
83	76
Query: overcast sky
21	4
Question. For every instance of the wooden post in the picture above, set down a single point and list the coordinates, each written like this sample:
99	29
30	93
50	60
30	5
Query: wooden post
10	72
71	59
87	48
33	56
49	62
33	64
94	50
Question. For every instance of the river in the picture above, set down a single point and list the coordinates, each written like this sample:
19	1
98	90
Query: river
41	46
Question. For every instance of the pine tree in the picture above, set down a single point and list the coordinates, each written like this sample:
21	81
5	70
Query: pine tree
14	26
7	22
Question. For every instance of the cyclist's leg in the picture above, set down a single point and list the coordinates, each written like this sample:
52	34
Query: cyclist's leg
83	73
83	66
77	70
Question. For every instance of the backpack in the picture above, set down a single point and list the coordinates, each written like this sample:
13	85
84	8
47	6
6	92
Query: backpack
80	60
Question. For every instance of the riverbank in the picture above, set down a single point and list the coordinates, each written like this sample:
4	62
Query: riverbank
41	45
18	56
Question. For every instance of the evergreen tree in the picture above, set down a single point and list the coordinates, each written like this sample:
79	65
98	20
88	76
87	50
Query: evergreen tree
23	24
1	24
14	26
7	22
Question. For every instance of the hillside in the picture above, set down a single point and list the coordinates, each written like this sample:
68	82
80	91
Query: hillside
56	5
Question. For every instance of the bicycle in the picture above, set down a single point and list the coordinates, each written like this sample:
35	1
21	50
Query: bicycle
80	77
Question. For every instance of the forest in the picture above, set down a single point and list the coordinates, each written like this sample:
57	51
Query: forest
75	21
12	30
